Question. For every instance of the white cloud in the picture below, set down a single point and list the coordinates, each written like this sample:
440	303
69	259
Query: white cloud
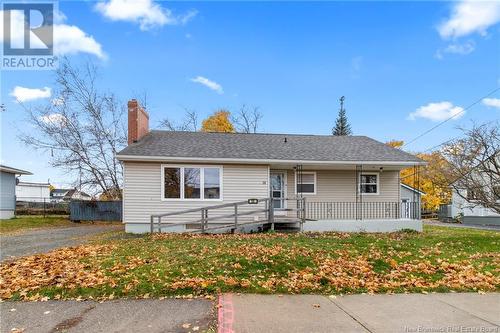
209	84
493	102
184	19
470	16
437	111
68	39
22	94
54	119
144	12
457	48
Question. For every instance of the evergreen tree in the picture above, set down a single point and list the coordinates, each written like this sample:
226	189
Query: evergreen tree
342	126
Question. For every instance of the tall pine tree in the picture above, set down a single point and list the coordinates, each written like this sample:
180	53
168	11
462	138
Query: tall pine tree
342	126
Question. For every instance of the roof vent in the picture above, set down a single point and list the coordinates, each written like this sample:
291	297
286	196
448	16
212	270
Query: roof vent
285	140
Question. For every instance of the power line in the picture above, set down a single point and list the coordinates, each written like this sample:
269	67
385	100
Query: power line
454	138
448	119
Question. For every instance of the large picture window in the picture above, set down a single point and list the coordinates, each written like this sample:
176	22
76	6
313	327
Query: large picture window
191	183
306	183
368	183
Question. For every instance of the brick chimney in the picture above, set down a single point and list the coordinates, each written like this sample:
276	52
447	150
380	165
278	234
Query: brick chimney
138	121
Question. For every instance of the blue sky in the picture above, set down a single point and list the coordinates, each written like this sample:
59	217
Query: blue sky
403	66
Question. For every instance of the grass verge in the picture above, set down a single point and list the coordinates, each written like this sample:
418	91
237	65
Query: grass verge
439	259
20	223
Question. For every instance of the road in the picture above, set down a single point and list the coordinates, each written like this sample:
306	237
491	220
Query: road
458	225
167	315
44	240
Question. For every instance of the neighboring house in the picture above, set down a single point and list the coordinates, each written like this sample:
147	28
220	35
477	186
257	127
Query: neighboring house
60	195
32	192
411	199
350	182
57	194
470	211
8	190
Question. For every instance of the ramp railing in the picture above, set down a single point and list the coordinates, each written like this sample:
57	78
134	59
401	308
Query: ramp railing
159	222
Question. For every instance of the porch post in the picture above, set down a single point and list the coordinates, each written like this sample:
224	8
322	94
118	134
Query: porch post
303	214
359	195
271	212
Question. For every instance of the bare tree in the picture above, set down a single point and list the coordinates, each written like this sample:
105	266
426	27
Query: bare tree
82	127
475	165
189	123
248	119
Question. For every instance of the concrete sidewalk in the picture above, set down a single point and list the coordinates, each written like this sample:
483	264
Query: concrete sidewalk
454	312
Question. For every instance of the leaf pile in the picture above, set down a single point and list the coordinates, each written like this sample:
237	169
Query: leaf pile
329	263
69	268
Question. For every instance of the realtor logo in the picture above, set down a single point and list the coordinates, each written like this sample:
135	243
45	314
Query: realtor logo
28	36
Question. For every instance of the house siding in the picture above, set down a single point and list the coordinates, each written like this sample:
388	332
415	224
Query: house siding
7	195
462	206
409	194
32	192
142	195
340	186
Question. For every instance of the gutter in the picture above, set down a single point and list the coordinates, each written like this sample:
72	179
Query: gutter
260	161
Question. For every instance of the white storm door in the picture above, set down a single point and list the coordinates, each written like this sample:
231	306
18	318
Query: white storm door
277	182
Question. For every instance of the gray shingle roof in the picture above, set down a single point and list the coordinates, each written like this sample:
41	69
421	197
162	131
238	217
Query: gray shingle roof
265	146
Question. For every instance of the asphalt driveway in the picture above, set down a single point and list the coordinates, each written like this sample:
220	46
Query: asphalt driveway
44	240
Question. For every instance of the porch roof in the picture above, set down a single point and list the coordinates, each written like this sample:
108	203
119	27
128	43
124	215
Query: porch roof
265	148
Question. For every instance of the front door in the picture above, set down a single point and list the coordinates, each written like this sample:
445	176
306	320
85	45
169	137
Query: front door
277	183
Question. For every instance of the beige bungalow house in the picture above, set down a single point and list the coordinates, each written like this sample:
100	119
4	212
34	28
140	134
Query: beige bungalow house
347	183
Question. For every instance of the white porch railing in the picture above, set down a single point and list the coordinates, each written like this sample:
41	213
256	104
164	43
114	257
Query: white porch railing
362	210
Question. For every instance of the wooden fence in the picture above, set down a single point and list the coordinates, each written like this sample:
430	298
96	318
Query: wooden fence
95	210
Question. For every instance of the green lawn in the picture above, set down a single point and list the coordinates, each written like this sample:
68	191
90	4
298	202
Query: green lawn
29	222
439	259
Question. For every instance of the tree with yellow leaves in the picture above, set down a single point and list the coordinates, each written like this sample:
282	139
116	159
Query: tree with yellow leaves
432	178
218	122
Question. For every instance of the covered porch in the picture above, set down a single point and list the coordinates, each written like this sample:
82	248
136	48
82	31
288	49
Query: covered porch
344	197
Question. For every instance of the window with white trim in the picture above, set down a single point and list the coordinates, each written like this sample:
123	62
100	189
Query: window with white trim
191	182
368	183
306	183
